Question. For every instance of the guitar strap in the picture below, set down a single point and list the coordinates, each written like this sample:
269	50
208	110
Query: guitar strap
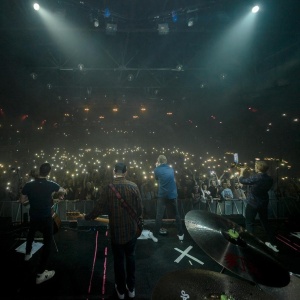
125	204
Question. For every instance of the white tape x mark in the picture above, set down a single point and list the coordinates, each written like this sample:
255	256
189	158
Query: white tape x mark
185	253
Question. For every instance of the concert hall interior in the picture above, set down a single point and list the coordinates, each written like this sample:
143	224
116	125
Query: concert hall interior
211	84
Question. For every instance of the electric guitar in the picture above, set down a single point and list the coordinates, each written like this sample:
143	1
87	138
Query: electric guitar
56	219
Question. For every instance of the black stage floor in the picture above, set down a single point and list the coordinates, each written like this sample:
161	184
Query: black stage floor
83	264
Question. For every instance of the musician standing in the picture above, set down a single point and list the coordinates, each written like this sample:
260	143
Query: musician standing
167	195
122	227
39	194
257	200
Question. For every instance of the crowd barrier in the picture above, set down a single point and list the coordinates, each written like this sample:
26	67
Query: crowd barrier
278	209
19	212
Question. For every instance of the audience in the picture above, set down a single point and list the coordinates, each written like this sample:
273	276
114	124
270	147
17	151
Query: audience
84	174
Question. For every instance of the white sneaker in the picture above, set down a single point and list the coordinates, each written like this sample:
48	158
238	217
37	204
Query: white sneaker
27	256
46	275
273	247
181	237
120	296
151	236
130	294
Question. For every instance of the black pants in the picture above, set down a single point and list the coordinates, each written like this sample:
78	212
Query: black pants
162	203
250	215
124	254
45	226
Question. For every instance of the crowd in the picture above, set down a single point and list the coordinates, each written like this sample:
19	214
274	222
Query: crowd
153	183
85	173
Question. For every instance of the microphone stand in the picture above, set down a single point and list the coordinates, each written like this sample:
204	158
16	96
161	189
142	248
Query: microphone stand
19	192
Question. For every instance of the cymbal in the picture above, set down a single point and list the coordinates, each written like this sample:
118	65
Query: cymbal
291	291
202	284
235	249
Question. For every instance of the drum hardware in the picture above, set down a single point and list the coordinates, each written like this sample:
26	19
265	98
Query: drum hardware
202	284
235	249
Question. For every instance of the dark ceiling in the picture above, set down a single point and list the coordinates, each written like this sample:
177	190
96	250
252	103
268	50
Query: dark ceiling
224	81
39	60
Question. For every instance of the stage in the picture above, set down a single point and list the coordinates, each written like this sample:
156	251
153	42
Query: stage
82	260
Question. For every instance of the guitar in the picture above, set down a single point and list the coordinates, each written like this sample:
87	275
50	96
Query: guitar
56	221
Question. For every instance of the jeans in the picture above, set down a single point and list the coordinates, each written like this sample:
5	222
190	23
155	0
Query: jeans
45	226
250	215
124	254
161	207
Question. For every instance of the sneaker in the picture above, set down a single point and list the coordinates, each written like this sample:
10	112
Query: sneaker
131	294
151	236
181	237
46	275
120	296
27	256
273	247
163	231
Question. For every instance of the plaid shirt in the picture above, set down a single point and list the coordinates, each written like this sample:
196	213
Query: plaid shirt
122	226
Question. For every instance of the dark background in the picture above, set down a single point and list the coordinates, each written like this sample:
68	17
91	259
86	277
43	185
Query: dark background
230	94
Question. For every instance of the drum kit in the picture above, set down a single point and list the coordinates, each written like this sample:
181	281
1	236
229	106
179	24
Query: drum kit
257	272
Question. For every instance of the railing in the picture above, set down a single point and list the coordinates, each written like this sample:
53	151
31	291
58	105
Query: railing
18	212
278	209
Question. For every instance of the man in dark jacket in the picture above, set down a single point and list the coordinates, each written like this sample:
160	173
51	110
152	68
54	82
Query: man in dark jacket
257	200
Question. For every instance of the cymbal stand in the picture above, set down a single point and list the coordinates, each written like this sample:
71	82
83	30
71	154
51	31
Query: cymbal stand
55	208
17	197
55	243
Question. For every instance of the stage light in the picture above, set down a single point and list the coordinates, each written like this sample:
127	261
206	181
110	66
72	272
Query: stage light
255	9
130	77
80	67
163	28
190	22
174	16
36	6
96	23
111	28
223	76
33	76
106	13
179	67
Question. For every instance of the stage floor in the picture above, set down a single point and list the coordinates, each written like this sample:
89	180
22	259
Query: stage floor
83	263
